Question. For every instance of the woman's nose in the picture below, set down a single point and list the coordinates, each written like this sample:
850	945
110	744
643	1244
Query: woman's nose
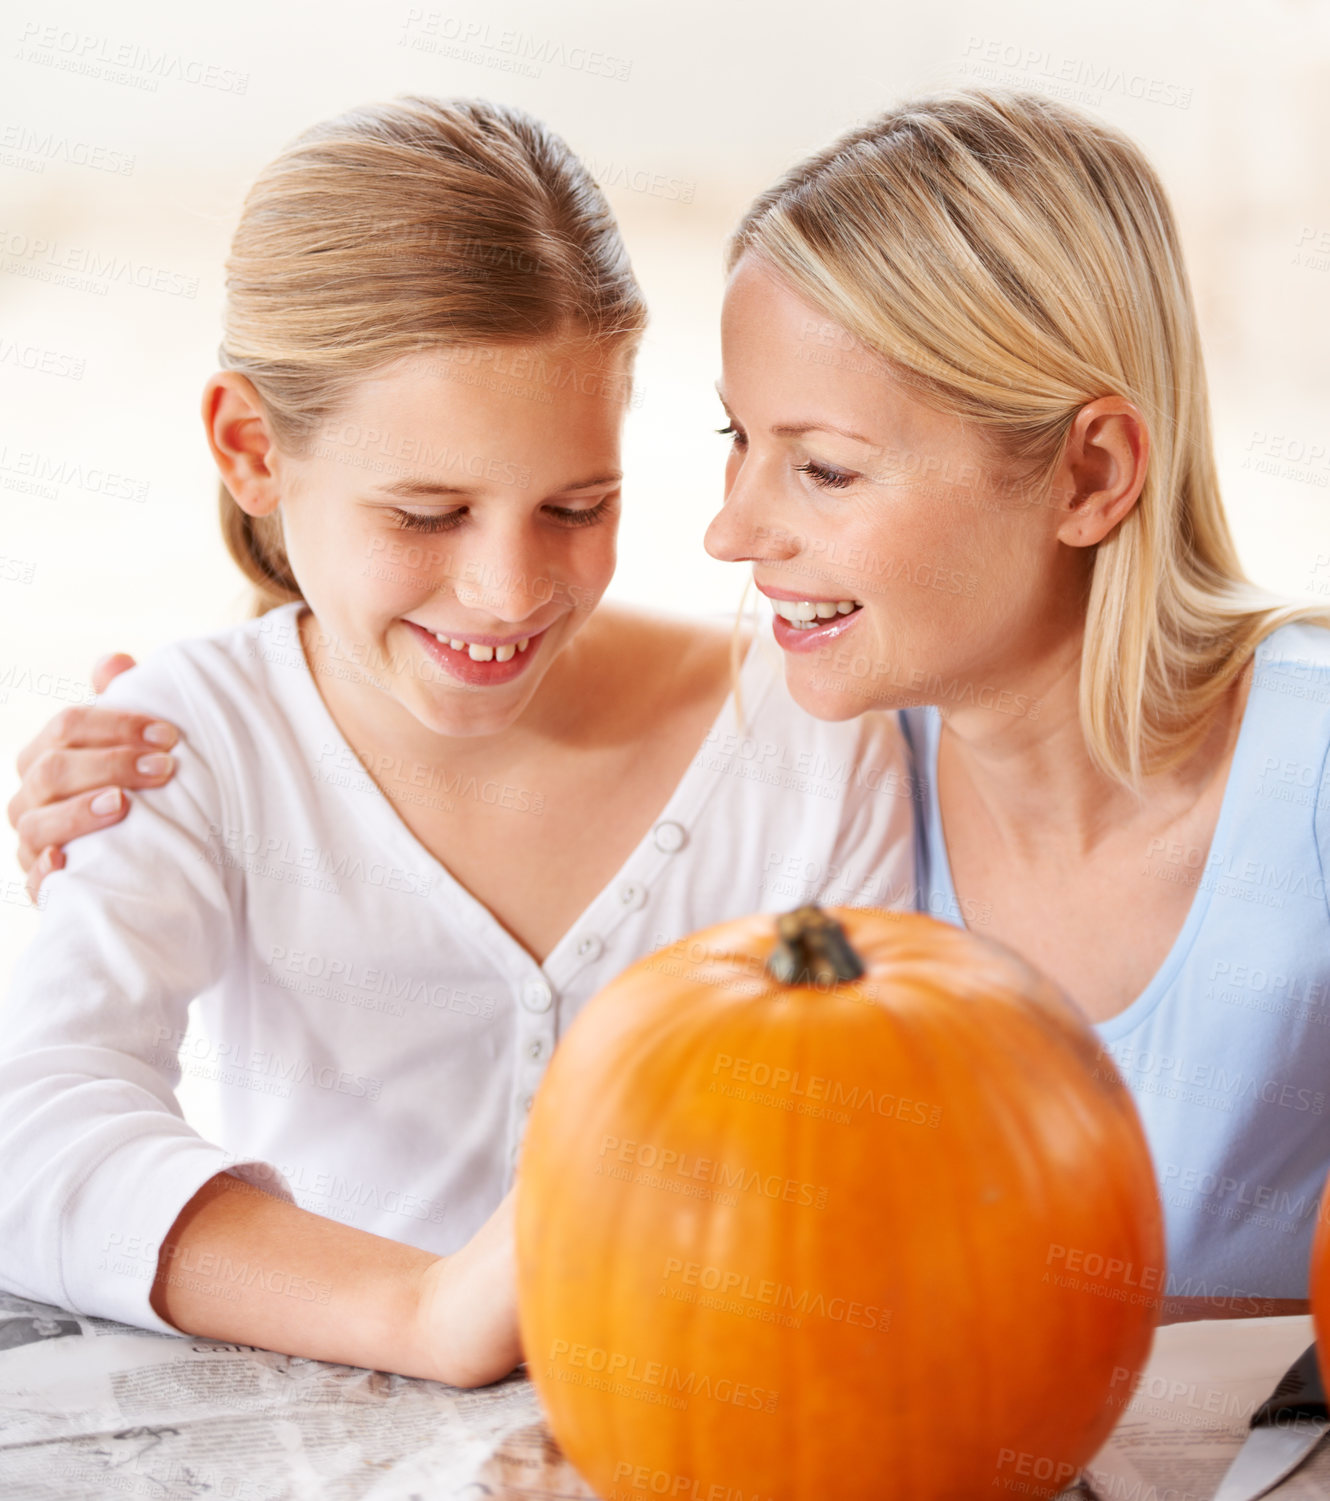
746	531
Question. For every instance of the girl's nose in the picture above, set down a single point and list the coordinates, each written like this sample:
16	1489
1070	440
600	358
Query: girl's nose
510	586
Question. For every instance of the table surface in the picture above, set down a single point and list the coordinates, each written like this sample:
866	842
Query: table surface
93	1409
1186	1310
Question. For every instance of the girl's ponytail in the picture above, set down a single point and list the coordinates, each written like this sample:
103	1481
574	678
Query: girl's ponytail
255	542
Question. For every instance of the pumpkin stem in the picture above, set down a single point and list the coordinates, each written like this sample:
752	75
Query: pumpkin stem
812	949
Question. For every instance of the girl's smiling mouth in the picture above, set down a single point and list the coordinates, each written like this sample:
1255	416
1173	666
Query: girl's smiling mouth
479	660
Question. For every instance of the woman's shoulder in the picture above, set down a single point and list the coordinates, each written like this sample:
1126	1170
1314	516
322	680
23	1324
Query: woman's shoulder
1288	702
1299	649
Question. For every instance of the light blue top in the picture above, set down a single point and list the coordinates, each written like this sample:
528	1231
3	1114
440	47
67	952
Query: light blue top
1227	1050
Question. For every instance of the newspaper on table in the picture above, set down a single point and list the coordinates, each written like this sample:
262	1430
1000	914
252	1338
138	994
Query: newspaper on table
94	1409
1192	1408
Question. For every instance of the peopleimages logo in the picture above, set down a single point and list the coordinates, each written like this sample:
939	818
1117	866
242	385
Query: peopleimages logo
85	268
97	55
30	148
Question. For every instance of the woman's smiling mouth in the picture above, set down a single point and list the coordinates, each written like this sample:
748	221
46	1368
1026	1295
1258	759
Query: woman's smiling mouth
804	624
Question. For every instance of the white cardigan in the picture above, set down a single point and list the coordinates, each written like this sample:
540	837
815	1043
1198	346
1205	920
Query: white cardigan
373	1034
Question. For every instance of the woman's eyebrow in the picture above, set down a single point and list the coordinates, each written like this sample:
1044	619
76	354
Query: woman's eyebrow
797	429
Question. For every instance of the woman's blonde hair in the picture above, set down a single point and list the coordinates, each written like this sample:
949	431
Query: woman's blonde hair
1012	258
393	228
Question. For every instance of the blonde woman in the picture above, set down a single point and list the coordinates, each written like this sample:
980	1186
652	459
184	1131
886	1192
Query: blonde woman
424	805
965	389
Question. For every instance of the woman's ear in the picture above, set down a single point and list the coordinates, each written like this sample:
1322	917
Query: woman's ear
241	441
1102	469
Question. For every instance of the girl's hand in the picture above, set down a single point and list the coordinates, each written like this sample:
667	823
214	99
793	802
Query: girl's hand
74	772
467	1314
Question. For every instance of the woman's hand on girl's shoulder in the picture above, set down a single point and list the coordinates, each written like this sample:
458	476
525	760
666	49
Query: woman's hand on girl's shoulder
75	770
467	1312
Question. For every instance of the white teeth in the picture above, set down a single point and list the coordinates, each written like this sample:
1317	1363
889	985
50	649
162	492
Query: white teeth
483	653
805	613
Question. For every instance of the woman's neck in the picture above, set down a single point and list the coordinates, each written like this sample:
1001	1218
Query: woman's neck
1036	780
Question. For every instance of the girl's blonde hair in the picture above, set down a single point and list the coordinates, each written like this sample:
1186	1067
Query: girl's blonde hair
1012	258
416	224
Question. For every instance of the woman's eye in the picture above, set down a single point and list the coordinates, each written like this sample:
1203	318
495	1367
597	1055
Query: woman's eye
417	521
731	431
829	479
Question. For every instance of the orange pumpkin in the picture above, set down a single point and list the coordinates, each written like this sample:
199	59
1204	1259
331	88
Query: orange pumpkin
1319	1284
859	1211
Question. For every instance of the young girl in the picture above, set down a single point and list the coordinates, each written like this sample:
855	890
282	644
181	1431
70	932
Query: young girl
424	806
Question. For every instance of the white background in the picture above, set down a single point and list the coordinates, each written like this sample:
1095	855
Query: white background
720	96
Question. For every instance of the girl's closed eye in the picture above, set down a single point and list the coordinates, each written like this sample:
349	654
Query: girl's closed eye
442	521
583	515
737	433
427	521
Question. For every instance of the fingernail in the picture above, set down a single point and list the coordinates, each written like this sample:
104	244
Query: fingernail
106	802
158	733
153	766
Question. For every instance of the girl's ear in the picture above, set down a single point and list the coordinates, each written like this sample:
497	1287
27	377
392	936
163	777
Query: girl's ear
241	441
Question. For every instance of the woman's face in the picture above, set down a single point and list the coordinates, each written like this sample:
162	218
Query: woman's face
454	525
929	574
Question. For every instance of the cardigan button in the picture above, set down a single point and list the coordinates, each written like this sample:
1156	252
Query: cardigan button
670	837
536	995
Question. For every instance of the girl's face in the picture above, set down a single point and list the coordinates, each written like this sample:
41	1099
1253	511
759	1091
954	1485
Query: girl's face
929	576
454	525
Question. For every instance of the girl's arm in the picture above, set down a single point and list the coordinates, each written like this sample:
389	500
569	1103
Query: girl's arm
242	1266
74	771
113	1204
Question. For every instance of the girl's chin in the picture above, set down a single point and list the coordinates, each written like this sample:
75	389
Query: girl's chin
458	711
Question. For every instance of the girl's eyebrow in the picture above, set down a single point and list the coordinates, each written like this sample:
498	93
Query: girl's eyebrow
409	488
414	489
613	477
